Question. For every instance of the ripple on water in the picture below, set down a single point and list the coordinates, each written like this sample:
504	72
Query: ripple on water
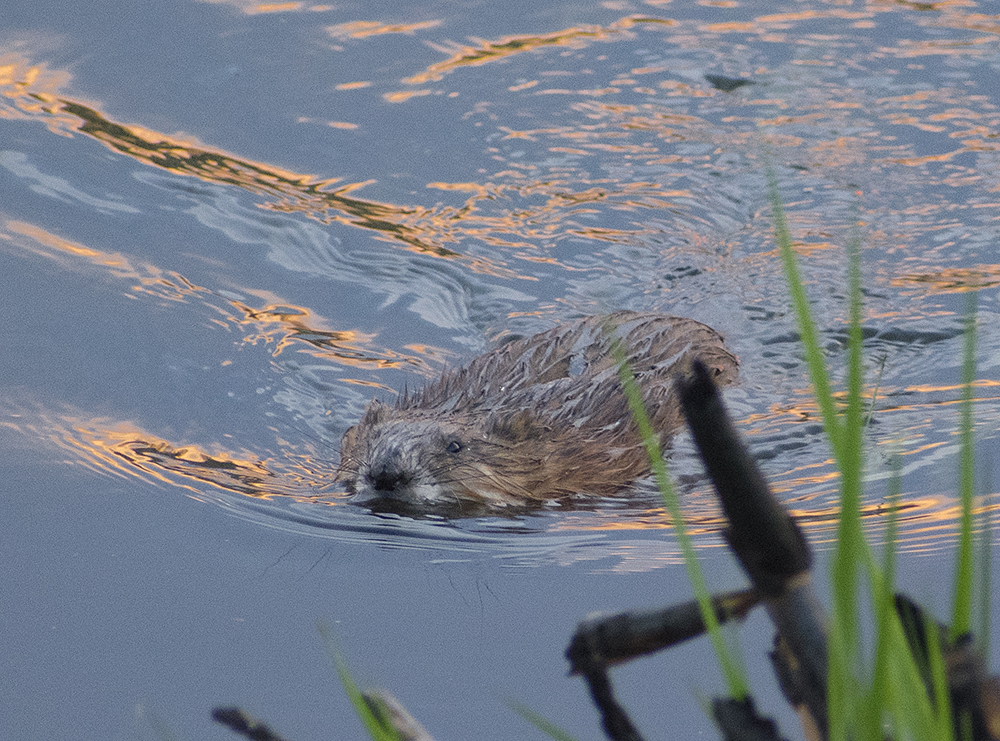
598	169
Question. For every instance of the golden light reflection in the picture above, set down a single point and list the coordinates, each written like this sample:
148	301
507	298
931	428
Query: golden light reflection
973	22
925	524
486	52
364	29
353	85
252	7
447	231
124	450
32	92
952	280
886	398
276	324
27	91
281	326
214	472
436	230
927	159
786	20
982	383
277	7
404	95
907	48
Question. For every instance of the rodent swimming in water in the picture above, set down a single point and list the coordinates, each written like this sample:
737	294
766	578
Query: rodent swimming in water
535	420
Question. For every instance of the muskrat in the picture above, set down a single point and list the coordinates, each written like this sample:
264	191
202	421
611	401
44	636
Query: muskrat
535	420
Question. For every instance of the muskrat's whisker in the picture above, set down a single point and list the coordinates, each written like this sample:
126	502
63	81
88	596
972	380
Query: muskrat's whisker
477	474
307	432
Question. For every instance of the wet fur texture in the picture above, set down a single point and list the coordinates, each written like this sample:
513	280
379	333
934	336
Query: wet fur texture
535	420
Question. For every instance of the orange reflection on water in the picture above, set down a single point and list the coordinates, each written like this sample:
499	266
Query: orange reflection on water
281	326
278	324
974	21
486	51
404	95
981	383
422	229
75	257
28	91
952	280
122	449
215	473
804	408
653	519
253	7
908	48
56	245
791	485
445	230
906	120
924	524
277	7
364	29
425	230
918	161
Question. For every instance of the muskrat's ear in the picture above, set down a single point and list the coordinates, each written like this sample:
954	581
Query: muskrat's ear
347	455
517	426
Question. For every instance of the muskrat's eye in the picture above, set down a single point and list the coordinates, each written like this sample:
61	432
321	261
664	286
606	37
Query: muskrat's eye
453	447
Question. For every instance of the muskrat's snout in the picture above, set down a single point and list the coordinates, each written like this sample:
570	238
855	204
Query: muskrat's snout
381	476
394	459
381	471
387	479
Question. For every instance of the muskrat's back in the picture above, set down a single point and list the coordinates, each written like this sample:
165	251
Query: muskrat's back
537	419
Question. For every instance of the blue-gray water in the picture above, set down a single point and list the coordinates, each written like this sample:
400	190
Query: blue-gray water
225	227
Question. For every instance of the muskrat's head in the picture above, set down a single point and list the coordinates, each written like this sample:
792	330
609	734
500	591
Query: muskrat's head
433	458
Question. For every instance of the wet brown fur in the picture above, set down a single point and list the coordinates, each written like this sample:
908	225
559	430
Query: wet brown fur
537	419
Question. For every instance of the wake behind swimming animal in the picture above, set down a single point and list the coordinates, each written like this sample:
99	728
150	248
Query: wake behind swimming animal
534	420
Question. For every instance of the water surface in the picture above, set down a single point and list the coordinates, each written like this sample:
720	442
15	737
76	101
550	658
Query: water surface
226	227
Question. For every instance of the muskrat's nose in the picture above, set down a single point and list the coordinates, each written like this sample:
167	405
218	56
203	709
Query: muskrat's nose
386	479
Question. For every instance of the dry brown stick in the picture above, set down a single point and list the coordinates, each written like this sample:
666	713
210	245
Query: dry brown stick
975	694
241	722
600	642
740	721
614	718
765	538
614	639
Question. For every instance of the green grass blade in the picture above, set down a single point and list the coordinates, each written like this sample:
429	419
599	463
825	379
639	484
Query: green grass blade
800	303
895	696
851	454
984	563
735	678
377	729
843	688
545	726
884	604
943	729
852	547
961	618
